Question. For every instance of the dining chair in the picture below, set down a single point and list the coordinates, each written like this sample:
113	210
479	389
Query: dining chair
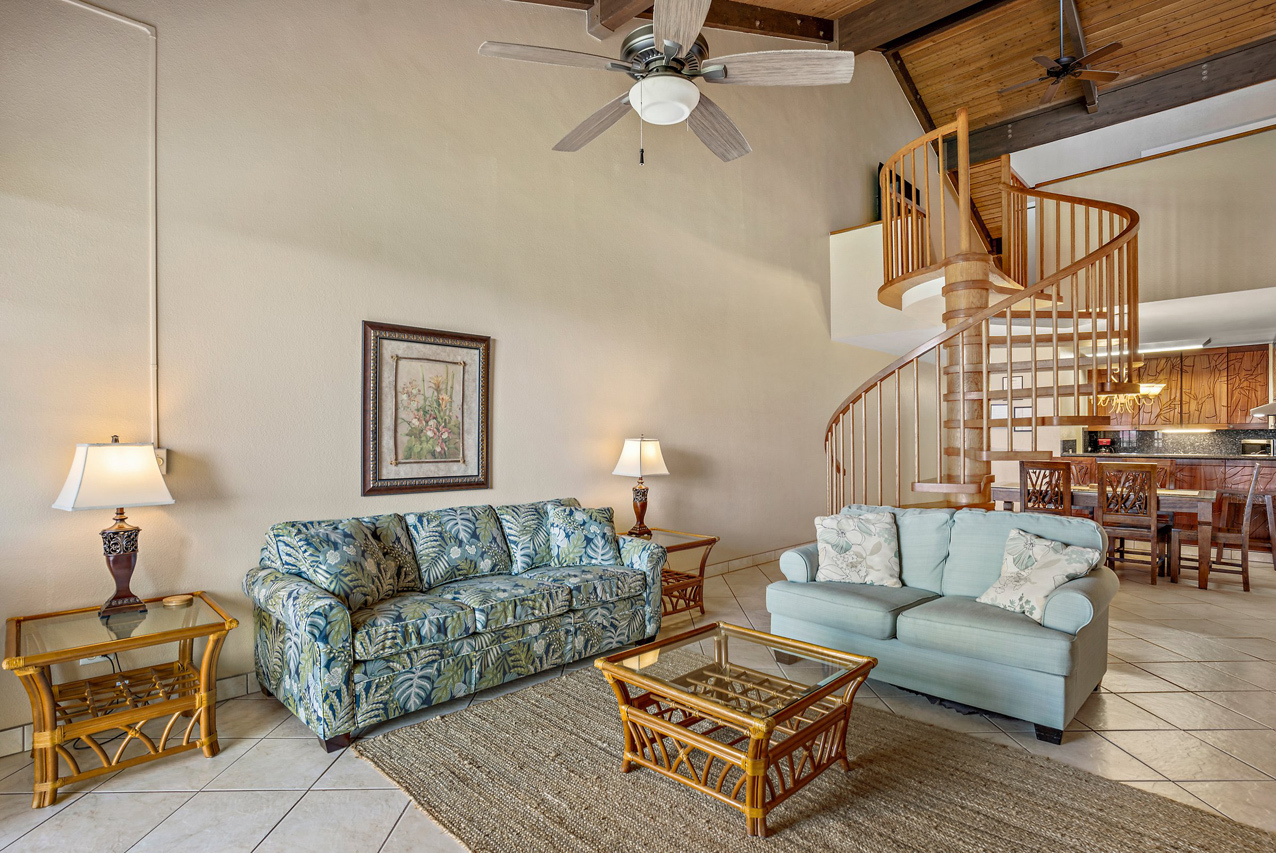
1231	538
1126	509
1045	486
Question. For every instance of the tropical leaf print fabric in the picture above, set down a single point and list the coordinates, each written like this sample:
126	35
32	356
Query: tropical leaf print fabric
582	537
858	549
456	543
407	621
607	626
1032	568
346	560
526	529
500	600
283	552
643	555
590	585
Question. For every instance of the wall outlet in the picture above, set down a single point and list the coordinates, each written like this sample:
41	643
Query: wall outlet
97	659
161	456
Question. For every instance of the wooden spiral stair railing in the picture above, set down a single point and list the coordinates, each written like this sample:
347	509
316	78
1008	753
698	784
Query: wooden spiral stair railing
1039	340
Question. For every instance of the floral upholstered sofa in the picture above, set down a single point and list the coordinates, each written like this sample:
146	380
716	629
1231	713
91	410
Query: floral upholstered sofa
365	619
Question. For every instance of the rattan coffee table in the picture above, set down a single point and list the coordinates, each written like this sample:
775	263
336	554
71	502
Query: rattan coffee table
714	709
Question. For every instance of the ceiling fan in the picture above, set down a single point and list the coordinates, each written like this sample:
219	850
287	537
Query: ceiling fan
666	58
1058	70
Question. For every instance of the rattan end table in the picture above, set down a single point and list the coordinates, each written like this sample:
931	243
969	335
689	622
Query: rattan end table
682	590
733	721
181	691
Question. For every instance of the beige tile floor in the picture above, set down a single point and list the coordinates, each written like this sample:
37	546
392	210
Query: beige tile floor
1187	710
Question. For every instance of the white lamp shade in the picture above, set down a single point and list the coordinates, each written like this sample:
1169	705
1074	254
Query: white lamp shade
106	476
640	457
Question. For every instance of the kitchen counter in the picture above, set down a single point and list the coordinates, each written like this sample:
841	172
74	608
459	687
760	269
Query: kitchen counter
1232	457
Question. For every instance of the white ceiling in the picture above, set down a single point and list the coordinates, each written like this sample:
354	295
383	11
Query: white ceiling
1228	319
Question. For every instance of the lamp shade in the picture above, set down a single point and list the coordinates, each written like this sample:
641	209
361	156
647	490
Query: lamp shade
640	457
107	476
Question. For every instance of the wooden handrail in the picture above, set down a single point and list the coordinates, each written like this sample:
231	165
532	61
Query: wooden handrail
1076	261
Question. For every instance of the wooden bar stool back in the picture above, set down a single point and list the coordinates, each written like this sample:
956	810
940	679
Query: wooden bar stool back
1126	509
1231	538
1045	486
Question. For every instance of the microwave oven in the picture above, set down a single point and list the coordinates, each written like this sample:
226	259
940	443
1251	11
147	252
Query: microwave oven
1256	447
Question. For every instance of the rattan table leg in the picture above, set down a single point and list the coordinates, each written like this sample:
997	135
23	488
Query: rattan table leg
208	695
43	727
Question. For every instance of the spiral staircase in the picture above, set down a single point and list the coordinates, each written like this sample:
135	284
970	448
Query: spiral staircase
1043	335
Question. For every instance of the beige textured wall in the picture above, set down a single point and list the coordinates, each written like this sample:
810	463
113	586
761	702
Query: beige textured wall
323	163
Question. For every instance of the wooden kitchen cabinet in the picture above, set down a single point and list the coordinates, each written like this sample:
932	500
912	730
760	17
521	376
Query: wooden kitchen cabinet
1205	388
1165	408
1247	373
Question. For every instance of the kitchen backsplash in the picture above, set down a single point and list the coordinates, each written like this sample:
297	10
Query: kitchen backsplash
1223	442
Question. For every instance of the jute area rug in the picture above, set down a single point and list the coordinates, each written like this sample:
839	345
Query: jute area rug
539	771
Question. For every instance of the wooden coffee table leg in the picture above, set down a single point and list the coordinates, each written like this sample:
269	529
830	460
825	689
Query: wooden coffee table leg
755	784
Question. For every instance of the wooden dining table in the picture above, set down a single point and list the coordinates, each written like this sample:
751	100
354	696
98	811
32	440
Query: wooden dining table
1199	501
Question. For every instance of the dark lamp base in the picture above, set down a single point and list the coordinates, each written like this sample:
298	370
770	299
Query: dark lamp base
639	530
640	511
119	543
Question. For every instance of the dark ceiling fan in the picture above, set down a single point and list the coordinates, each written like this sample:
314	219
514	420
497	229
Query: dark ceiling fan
1058	70
666	57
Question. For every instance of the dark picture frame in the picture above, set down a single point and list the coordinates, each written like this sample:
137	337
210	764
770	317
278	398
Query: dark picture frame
430	434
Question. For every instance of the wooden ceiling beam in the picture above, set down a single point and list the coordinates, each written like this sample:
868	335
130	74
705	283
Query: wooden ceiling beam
1073	19
1225	72
607	16
723	15
891	24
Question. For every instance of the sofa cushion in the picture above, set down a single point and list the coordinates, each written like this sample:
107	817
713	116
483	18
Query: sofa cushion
501	600
345	559
406	622
459	542
526	528
863	608
923	542
979	541
858	549
590	585
582	537
281	550
1034	567
963	626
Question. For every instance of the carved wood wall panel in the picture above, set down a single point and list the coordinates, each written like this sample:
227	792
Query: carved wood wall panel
1163	408
1205	387
1247	372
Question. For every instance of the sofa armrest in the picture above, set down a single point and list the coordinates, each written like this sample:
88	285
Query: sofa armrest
1072	606
302	649
649	558
800	564
300	605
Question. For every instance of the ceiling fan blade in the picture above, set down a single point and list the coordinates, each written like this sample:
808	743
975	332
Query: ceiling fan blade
549	56
1096	55
786	68
1098	76
1018	86
1046	62
717	131
1051	90
679	21
591	128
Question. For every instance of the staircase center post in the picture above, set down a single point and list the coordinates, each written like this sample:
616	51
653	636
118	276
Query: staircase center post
967	291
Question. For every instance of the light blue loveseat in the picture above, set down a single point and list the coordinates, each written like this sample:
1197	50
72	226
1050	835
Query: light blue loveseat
931	636
474	604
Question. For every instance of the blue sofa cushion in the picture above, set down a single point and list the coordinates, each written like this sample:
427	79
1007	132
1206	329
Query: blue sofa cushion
590	585
282	550
526	529
863	608
346	559
923	542
456	543
979	543
963	626
502	600
406	622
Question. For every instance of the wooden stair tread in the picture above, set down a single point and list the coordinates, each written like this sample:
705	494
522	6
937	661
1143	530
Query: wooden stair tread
1065	390
1041	420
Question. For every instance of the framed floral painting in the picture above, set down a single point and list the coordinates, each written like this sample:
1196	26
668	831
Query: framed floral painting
425	409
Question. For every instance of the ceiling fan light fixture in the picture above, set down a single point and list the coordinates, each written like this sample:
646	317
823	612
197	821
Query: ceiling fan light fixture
664	98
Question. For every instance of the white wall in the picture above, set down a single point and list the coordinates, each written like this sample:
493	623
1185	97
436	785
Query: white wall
323	163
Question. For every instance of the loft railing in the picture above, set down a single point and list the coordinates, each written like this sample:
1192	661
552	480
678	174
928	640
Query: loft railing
1041	357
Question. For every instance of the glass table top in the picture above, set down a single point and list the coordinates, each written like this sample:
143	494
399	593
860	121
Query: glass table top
72	630
672	539
740	671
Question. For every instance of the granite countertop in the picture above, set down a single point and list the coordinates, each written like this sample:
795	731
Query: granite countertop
1235	456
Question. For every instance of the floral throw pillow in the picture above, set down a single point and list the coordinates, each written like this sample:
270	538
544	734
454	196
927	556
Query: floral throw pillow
347	560
582	537
527	532
858	549
1034	567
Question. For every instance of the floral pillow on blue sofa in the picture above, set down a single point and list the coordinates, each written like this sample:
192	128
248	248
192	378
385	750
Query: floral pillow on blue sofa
582	537
346	559
460	542
527	532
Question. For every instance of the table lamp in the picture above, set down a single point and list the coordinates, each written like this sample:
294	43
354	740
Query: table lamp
640	457
105	476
